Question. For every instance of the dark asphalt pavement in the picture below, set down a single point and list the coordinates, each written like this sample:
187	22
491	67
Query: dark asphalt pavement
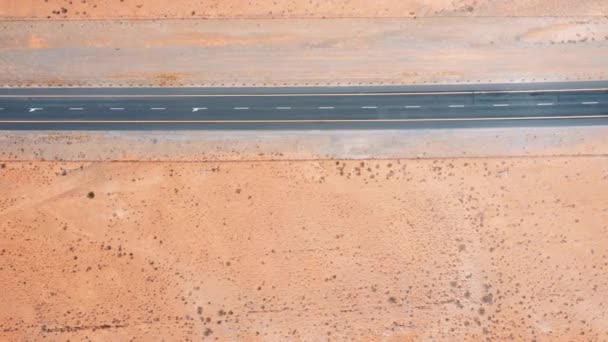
305	108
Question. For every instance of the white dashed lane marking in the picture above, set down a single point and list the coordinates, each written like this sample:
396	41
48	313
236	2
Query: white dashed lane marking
196	109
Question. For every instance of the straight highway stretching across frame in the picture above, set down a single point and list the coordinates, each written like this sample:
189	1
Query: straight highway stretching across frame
582	103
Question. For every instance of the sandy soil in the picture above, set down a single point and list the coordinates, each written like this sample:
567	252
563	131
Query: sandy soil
451	249
302	52
61	9
204	146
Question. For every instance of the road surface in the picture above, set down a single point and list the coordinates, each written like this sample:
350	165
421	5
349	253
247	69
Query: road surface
304	108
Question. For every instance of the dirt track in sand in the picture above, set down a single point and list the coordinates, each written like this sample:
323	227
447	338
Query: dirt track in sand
103	9
458	249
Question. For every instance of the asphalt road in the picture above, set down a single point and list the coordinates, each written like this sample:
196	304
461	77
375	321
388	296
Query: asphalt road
305	108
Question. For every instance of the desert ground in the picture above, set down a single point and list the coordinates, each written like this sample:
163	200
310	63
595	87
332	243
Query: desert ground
302	52
460	249
222	9
430	235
